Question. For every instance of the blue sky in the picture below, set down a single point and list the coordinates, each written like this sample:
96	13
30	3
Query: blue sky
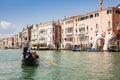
16	14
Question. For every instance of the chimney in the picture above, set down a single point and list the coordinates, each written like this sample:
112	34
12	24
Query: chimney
101	1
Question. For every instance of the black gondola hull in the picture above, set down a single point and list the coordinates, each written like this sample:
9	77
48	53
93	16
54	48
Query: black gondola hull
30	61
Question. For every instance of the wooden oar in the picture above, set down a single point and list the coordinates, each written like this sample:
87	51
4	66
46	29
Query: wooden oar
48	60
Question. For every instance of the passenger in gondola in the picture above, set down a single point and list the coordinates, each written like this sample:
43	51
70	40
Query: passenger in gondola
35	55
25	45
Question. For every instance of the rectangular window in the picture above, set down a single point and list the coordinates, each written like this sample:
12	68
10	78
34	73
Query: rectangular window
70	30
86	17
79	19
87	28
96	14
91	16
108	23
109	11
96	26
82	18
117	11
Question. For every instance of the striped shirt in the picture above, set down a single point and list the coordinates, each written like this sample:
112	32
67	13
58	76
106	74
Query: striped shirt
25	43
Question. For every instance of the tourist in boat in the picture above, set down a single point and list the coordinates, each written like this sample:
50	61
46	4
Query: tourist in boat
35	55
25	45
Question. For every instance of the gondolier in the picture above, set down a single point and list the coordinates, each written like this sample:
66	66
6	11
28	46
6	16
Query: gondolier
25	46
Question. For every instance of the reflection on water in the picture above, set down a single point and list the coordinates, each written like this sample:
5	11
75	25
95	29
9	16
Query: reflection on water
28	72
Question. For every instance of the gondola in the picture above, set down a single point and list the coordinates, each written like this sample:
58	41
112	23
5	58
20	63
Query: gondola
29	60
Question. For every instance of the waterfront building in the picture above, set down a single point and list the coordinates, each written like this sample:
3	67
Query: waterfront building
83	29
26	32
68	32
34	36
92	30
10	42
5	43
57	35
16	43
1	43
20	39
46	34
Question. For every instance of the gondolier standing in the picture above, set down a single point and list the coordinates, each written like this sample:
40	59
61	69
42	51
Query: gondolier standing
25	46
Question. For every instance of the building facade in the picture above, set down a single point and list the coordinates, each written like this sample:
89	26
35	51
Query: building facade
16	43
46	34
57	35
26	32
83	29
69	31
34	36
94	29
10	42
20	39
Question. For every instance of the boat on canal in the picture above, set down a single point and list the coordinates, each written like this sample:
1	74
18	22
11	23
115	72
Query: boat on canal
29	60
92	50
113	49
76	50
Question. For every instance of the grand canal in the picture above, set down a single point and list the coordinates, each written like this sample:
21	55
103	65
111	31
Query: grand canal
70	66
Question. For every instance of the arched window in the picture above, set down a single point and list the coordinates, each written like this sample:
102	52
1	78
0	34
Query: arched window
96	26
108	23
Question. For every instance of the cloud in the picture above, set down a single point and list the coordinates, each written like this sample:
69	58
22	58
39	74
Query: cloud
5	24
7	27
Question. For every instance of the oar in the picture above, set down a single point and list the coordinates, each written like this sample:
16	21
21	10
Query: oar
48	60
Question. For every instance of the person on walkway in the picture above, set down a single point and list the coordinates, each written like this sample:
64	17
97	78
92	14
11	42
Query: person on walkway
25	46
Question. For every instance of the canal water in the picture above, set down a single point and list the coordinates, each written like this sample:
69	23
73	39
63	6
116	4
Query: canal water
69	66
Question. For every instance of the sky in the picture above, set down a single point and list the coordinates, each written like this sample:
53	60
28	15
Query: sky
17	14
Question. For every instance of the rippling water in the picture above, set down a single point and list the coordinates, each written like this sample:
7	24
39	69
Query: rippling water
70	66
